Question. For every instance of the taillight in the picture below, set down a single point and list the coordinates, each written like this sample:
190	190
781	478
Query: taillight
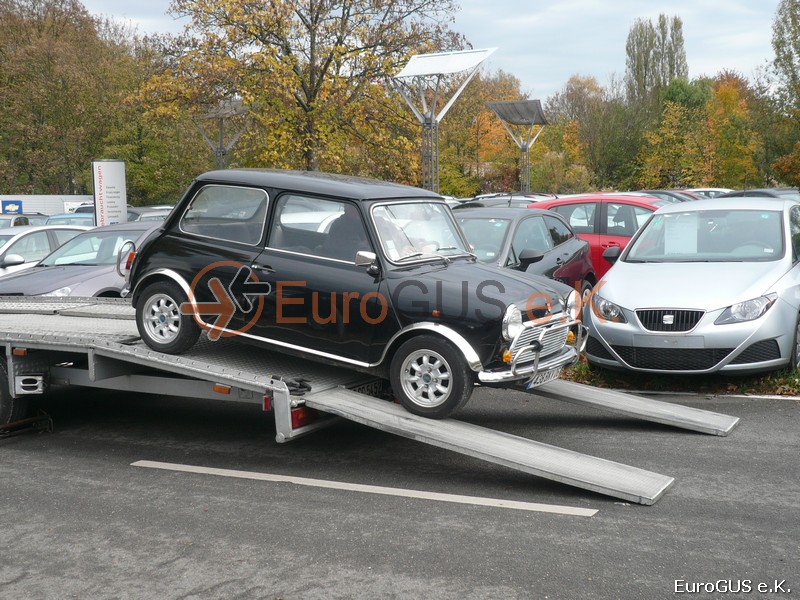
129	260
302	416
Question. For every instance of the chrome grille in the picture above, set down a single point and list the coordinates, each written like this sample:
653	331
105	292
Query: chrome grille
555	336
667	319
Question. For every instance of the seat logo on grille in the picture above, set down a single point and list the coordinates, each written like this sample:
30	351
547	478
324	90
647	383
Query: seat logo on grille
668	319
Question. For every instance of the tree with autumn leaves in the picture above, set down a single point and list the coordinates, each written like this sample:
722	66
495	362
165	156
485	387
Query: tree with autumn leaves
312	77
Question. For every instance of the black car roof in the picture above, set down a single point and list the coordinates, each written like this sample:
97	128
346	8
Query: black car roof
348	186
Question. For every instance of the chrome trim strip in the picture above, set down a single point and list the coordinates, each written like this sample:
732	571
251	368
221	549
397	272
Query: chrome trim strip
473	361
167	273
295	253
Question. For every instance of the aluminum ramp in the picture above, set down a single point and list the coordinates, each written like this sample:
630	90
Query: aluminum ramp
639	407
557	464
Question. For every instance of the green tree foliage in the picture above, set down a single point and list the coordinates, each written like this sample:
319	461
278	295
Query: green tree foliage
786	44
655	56
60	89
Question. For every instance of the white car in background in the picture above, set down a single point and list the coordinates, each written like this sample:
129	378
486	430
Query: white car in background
24	246
705	286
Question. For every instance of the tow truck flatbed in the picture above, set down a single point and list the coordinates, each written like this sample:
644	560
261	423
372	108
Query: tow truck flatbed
94	342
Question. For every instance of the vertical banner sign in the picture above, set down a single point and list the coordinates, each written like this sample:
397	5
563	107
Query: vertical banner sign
110	192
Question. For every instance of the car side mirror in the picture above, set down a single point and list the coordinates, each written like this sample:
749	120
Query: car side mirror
529	256
125	255
368	260
611	254
12	260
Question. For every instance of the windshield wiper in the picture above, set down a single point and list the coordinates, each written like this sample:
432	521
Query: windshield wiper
423	255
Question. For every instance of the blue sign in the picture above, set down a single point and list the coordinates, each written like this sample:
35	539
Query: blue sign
12	207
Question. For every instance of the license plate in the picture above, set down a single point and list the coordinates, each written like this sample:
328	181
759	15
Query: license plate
541	378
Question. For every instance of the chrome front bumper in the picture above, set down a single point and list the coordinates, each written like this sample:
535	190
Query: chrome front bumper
568	355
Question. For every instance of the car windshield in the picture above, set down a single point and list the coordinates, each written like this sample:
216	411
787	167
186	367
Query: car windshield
485	235
710	236
91	248
420	229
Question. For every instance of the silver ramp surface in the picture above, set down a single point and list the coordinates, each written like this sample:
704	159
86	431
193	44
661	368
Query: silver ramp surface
558	464
639	407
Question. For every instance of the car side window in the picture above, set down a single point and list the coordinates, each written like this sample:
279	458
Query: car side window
325	228
531	234
579	216
559	232
33	247
621	219
226	212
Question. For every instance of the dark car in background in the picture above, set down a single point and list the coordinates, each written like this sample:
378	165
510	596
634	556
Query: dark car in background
367	275
532	240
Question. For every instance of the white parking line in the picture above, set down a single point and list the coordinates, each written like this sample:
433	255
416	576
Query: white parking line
371	489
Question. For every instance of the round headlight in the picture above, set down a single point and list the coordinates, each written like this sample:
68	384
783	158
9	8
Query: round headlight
512	323
572	306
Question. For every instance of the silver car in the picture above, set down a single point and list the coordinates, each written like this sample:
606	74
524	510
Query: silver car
22	247
706	286
86	265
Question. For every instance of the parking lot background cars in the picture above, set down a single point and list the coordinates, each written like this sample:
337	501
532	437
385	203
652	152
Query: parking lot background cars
426	316
785	193
148	213
671	195
22	247
511	200
13	220
705	286
604	220
501	237
73	218
84	266
709	192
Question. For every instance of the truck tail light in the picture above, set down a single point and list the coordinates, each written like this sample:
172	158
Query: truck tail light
302	416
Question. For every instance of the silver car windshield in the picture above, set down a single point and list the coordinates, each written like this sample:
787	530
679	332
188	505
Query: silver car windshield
710	236
417	230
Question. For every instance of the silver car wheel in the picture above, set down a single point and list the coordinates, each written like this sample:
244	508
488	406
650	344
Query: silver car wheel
162	318
426	379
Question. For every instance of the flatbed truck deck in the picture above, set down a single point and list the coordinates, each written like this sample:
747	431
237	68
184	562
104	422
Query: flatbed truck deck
94	342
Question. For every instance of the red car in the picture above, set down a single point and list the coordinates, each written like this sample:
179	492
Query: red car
603	220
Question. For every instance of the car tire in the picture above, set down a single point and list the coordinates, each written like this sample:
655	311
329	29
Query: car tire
11	409
795	356
430	377
586	290
161	324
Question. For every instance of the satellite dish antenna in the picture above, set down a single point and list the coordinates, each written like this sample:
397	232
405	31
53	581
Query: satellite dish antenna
520	118
420	84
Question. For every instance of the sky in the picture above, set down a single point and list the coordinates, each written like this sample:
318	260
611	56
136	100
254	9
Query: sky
544	42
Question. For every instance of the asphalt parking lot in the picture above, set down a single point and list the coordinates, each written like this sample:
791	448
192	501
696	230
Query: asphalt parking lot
81	521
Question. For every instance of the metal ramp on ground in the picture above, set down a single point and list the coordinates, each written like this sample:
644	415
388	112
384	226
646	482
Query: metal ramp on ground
639	407
549	462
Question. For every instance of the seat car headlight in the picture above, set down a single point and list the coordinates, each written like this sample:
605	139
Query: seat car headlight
747	310
512	323
64	291
572	305
607	311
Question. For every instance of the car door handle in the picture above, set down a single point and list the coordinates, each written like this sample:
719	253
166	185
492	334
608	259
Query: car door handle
263	268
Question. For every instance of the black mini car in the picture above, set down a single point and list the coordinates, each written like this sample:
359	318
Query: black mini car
373	276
